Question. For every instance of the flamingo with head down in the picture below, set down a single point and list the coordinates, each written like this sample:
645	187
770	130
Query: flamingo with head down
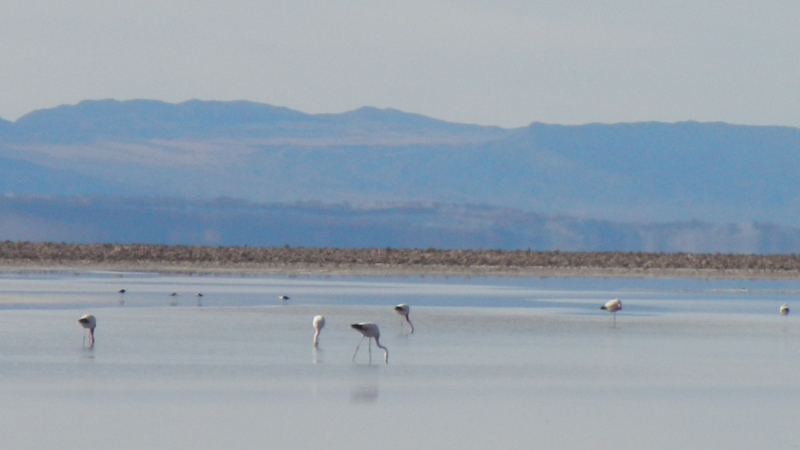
370	330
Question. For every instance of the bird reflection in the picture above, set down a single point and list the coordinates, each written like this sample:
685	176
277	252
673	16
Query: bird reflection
364	393
316	355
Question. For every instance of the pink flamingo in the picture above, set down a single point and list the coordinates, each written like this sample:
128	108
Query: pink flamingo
404	310
89	322
370	331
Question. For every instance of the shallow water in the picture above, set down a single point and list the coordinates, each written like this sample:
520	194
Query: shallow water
494	363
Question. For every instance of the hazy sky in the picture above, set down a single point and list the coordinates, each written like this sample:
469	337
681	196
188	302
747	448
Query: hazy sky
497	62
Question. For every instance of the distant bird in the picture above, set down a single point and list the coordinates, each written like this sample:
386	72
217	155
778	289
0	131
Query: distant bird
370	331
318	323
785	309
174	294
403	310
613	306
122	297
199	298
89	322
174	301
283	298
122	291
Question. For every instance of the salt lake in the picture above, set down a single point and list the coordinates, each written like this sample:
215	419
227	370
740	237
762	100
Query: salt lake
512	363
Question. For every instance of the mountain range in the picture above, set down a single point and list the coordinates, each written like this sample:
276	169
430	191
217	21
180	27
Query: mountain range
602	175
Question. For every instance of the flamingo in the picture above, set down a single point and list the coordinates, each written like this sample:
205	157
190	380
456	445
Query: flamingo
283	298
613	306
318	323
370	330
785	309
403	310
89	322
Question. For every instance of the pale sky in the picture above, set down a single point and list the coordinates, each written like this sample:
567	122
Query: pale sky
491	62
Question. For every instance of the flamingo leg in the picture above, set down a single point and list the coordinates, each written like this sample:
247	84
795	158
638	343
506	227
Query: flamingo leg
370	350
357	346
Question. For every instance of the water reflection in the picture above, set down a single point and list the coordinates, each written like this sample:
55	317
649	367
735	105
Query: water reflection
87	352
317	355
364	393
365	384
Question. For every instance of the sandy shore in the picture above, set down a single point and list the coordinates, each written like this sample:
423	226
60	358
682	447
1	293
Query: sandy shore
383	270
49	257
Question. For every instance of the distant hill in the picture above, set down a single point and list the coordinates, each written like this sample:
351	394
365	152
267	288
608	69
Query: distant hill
234	222
144	120
197	151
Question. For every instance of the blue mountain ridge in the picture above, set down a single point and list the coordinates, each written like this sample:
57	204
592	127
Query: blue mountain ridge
629	173
149	119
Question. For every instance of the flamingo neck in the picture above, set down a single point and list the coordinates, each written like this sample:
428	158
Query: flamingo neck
409	323
316	337
385	351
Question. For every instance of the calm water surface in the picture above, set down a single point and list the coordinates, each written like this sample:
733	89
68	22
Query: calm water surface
513	363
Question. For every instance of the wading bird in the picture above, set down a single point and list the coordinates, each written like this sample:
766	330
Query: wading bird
199	298
122	296
318	323
89	322
785	309
613	306
403	310
283	298
370	331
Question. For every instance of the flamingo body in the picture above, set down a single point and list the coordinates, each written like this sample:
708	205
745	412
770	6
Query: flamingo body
90	323
612	306
370	330
318	323
404	310
785	309
283	298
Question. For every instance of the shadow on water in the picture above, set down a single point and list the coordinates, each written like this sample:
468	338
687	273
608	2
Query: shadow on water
365	385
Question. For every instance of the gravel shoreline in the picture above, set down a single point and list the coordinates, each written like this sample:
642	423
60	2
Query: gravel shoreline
22	257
